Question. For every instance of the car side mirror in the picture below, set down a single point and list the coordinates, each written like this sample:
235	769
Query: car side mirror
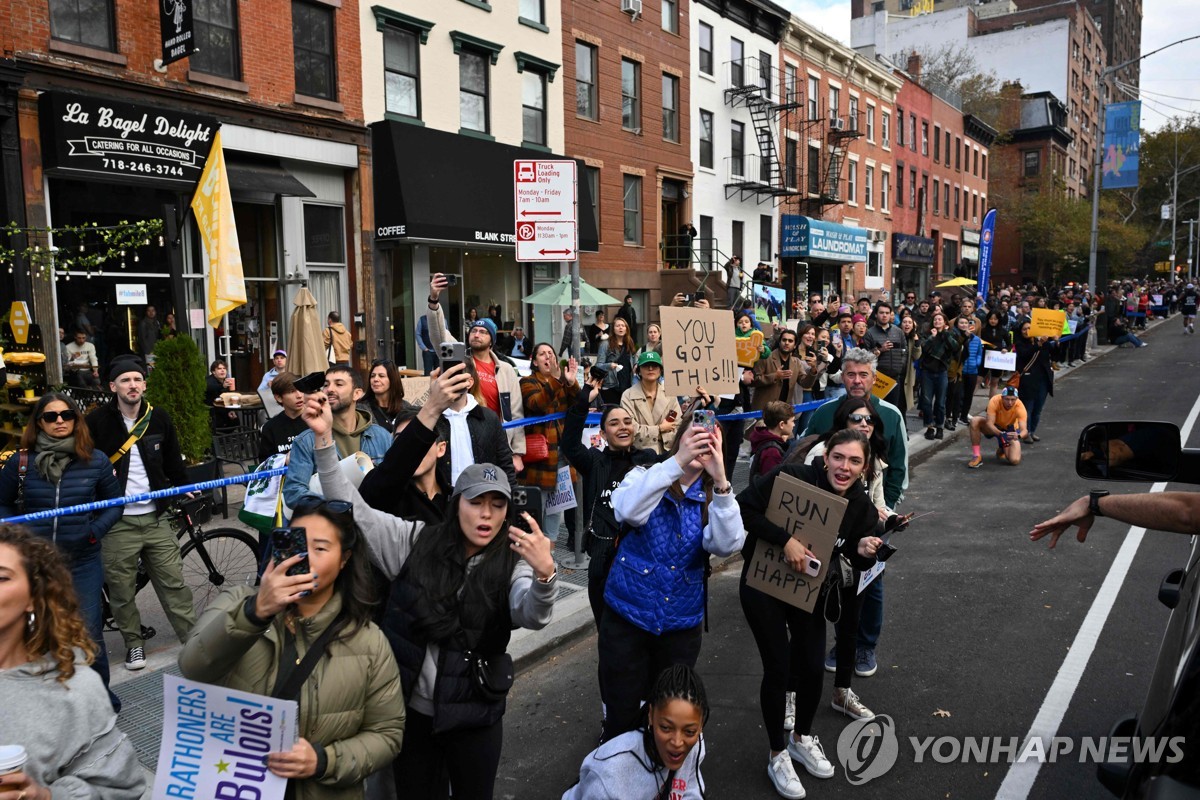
1139	451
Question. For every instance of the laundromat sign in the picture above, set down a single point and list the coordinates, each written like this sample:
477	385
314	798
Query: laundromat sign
115	140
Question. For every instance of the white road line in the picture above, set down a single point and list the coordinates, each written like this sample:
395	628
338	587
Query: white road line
1021	775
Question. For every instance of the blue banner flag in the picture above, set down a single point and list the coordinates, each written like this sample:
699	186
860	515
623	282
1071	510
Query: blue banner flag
1122	141
986	237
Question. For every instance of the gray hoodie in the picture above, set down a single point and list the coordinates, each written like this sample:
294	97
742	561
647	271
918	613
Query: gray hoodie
69	732
619	769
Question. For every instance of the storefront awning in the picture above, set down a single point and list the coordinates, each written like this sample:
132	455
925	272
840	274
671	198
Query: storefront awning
261	180
913	249
431	184
805	237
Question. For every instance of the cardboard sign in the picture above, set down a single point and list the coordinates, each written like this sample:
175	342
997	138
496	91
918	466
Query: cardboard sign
698	351
994	359
1045	322
415	388
215	741
563	496
749	348
883	385
812	517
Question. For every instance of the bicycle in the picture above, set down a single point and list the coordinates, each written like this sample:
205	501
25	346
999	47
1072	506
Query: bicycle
212	559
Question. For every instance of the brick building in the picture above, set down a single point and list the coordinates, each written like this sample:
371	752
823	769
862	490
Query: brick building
839	155
91	97
628	118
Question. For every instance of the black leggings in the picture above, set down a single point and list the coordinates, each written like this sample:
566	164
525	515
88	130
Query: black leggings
466	760
797	663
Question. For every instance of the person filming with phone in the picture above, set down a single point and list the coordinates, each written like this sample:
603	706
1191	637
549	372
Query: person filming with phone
791	642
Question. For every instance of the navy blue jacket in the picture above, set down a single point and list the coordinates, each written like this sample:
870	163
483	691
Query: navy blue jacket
81	483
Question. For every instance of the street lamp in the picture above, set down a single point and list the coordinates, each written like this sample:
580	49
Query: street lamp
1175	205
1098	163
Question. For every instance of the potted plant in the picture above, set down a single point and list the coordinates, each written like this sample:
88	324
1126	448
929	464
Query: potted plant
29	386
176	385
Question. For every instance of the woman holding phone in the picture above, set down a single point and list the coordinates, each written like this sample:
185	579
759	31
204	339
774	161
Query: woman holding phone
458	589
791	642
673	514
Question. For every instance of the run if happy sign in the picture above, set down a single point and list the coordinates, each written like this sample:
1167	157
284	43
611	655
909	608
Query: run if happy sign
698	351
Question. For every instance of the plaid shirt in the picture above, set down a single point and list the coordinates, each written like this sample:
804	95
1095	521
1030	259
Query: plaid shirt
541	395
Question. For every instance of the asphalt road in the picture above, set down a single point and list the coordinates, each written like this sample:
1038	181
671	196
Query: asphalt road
978	618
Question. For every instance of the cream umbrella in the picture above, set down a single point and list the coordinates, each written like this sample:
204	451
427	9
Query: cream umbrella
306	348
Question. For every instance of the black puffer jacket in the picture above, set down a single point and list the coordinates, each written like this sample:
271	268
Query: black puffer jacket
158	447
891	362
82	482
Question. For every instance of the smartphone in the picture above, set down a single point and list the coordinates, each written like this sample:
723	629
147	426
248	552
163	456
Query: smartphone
451	279
705	418
689	298
287	542
453	353
812	567
527	500
671	415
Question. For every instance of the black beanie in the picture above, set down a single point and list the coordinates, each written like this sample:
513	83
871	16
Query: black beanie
126	363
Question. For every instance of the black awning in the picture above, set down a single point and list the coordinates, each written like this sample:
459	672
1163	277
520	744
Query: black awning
260	180
431	184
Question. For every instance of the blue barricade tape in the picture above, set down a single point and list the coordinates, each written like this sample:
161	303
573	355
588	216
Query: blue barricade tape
594	418
203	486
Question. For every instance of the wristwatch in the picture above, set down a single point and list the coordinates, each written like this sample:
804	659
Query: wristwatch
1094	501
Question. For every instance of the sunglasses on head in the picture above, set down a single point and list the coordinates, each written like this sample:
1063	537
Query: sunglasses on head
50	417
311	506
858	419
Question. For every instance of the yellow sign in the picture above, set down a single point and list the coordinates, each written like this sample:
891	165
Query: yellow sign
883	385
20	320
1162	266
1046	322
213	208
920	7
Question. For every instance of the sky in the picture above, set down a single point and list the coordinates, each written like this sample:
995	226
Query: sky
1170	79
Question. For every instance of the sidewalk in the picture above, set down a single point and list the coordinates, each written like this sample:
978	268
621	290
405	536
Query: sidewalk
141	692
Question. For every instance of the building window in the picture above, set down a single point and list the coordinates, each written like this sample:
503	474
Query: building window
899	185
791	83
957	154
835	101
585	81
870	122
706	48
401	72
312	41
217	51
912	132
706	139
852	114
924	138
814	170
814	97
764	73
885	124
631	91
632	204
324	234
473	91
947	161
869	186
533	11
852	183
86	22
737	149
983	167
874	264
738	234
957	193
937	144
924	198
737	63
790	154
885	189
1033	163
670	108
974	207
706	241
912	187
592	176
946	195
533	107
937	197
670	16
766	226
899	127
975	164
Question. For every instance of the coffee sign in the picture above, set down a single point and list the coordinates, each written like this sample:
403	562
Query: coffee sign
106	138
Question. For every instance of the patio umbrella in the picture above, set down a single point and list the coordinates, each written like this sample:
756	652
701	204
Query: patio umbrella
956	282
306	347
559	294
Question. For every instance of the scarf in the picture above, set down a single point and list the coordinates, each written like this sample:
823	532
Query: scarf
462	454
53	456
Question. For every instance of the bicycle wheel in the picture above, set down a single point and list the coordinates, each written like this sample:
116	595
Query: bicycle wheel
233	556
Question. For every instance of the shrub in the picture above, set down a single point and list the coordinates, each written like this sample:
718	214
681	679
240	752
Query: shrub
176	385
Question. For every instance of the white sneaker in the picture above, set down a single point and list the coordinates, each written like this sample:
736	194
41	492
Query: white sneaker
808	751
783	776
789	711
847	702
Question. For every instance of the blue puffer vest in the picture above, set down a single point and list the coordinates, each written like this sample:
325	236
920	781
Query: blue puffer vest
657	578
80	483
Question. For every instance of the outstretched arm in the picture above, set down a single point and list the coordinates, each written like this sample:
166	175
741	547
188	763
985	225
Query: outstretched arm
1174	512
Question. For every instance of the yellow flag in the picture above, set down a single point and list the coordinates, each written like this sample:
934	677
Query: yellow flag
213	208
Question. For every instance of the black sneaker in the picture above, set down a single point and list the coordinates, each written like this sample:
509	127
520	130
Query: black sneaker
929	433
135	658
937	434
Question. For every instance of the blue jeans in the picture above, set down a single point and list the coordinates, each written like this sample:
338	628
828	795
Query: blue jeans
429	361
933	397
87	573
1034	397
1127	337
870	614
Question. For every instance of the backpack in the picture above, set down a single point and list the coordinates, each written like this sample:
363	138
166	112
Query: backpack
754	461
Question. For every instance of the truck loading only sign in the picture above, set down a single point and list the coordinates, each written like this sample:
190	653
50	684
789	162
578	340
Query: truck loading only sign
544	200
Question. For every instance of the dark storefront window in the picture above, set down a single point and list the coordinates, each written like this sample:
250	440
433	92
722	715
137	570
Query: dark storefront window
217	51
402	72
324	240
312	41
86	22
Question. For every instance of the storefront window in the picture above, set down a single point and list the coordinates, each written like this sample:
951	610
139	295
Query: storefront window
490	278
324	241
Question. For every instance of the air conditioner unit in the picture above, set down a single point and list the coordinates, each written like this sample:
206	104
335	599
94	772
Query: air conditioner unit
633	7
837	124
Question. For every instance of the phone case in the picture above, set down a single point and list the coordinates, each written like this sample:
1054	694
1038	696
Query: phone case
287	542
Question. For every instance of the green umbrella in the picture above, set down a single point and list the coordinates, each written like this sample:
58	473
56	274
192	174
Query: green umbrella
559	294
